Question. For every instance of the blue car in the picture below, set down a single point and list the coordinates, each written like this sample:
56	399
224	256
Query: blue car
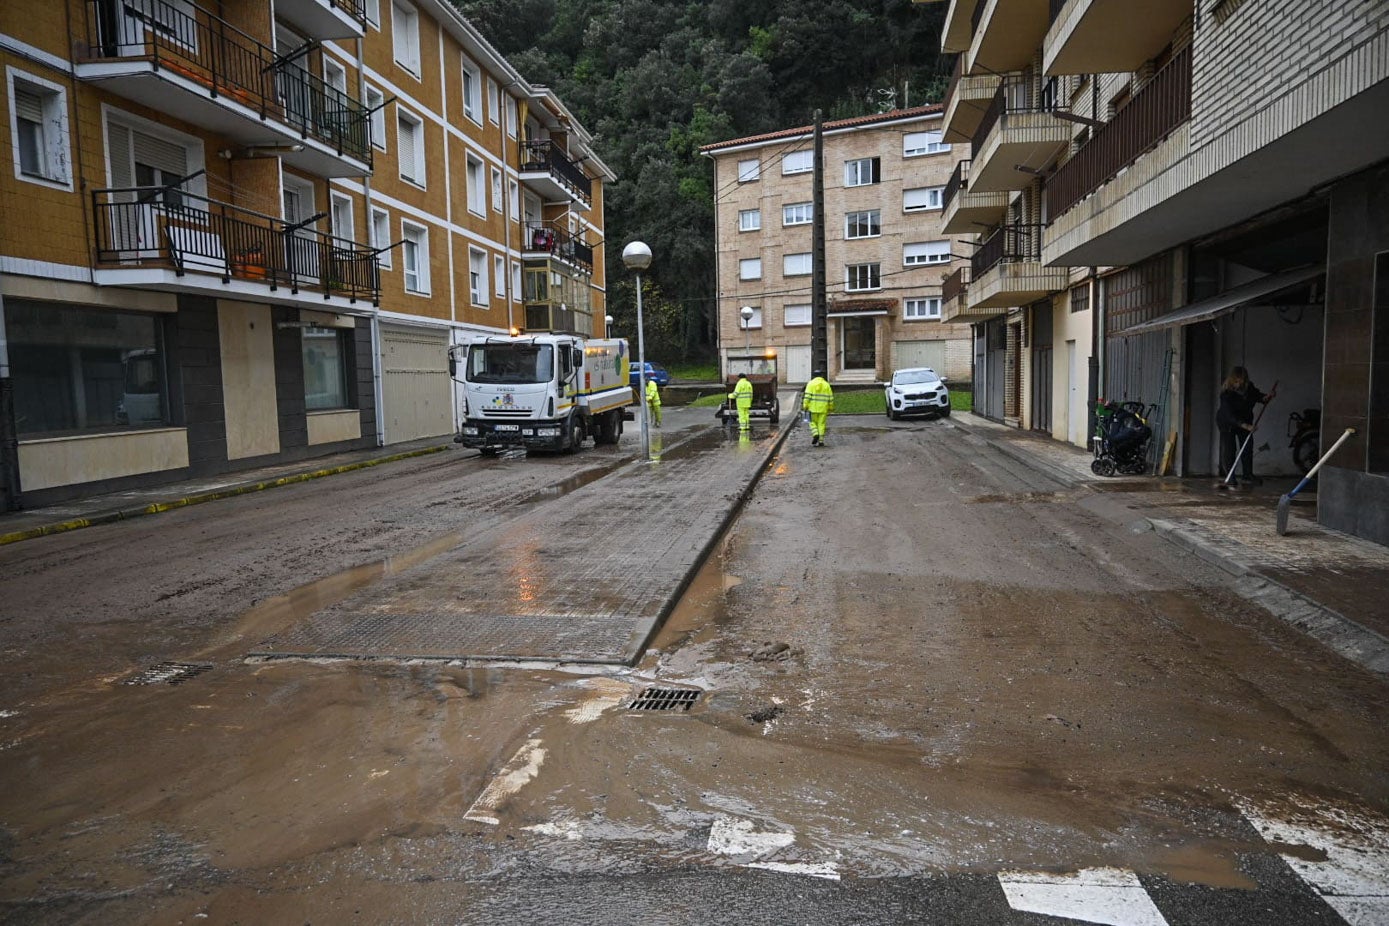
654	371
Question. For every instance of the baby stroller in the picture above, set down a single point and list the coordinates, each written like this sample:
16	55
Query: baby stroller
1121	439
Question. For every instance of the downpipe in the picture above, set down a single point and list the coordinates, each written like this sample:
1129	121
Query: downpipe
9	438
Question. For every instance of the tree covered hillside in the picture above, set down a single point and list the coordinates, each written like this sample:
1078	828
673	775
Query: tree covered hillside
653	80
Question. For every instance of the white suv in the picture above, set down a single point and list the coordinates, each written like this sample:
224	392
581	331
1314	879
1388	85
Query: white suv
917	391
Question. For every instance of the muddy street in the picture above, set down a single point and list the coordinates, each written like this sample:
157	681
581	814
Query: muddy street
925	683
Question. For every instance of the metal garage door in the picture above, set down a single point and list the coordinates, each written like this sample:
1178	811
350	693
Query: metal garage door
918	354
415	383
798	364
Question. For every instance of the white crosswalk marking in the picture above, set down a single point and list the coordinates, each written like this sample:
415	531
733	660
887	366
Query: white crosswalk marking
1343	855
1112	896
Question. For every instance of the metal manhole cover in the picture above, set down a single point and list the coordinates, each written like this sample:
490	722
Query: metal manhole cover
168	673
665	699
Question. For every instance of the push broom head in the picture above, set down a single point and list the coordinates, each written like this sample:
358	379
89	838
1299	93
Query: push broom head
1285	504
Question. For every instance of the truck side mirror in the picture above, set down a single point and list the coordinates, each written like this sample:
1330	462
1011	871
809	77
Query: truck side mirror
453	366
578	359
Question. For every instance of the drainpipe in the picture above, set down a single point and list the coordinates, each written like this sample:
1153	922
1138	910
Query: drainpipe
1097	352
9	441
377	383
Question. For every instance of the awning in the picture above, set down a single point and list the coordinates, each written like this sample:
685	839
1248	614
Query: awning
1228	301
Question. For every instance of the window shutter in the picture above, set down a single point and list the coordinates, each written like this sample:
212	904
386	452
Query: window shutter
119	155
877	170
28	105
164	155
406	154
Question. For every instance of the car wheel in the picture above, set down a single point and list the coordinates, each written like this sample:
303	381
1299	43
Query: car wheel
945	412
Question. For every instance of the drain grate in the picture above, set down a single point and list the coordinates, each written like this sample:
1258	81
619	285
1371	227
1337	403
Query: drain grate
665	699
168	673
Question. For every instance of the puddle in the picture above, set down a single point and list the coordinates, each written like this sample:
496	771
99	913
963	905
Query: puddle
571	484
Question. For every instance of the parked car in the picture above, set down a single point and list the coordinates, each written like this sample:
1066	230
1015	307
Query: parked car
654	371
917	391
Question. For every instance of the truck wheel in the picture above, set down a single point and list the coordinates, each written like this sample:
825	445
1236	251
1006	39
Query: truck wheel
776	411
576	435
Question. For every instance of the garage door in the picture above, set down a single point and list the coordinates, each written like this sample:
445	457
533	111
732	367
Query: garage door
798	364
415	383
918	354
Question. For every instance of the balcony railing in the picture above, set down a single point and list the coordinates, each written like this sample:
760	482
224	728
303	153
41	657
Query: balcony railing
1015	95
957	184
549	157
549	317
184	39
1008	244
553	239
954	286
163	226
1056	7
1148	118
357	9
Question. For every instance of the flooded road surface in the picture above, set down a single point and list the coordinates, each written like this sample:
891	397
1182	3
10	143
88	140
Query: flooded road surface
933	686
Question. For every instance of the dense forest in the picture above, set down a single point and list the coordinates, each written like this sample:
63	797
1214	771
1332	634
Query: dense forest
653	80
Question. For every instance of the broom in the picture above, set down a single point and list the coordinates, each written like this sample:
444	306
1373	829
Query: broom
1286	502
1229	478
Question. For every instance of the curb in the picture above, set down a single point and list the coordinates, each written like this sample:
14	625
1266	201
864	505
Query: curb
1051	470
123	514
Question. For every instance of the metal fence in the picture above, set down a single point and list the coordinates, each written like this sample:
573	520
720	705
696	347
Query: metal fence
547	156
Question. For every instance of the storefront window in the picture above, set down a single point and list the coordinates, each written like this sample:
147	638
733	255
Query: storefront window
325	368
77	369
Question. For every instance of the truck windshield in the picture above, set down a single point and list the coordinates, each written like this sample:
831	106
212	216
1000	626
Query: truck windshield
510	363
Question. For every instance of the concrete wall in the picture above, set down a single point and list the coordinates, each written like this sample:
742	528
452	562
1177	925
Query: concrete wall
1072	337
62	461
246	334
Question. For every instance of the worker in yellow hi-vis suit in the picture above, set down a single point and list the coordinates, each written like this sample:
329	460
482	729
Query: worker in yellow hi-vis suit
819	401
742	397
653	401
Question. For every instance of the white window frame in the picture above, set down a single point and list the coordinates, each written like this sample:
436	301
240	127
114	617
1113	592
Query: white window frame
754	322
749	170
405	37
750	268
477	277
381	221
749	220
494	102
932	198
515	281
921	308
418	235
514	189
796	265
802	311
869	271
374	99
919	144
472	91
872	218
477	192
336	199
404	115
512	116
854	172
334	74
497	204
56	136
802	213
373	9
798	162
925	253
499	276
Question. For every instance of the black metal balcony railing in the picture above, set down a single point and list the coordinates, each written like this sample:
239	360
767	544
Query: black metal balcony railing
357	9
547	156
957	184
553	239
186	40
956	76
546	316
1015	95
1146	120
1056	7
1008	244
976	16
160	226
955	285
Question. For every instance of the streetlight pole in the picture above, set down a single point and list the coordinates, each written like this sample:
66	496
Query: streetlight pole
607	326
637	257
747	312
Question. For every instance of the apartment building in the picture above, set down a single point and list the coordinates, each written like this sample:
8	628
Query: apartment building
247	233
1171	195
885	253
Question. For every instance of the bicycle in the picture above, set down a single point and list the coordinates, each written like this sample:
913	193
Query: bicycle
1304	438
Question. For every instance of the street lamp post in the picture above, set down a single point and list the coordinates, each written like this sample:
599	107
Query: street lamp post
637	257
607	326
747	312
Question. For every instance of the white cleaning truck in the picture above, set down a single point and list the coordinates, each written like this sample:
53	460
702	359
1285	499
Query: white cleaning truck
541	391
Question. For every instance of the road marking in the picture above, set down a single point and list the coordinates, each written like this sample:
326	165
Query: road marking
1112	896
522	768
611	693
824	870
1343	855
733	836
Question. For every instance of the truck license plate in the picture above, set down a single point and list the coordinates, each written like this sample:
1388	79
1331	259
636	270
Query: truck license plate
506	427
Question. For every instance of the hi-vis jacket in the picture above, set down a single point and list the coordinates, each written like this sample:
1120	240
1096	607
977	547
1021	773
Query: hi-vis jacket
819	397
653	393
742	393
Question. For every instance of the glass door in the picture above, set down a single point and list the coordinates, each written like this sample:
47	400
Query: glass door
860	343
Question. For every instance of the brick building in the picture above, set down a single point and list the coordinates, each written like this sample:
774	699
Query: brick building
233	238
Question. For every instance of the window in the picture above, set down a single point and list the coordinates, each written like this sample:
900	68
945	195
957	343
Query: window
795	265
926	252
409	135
334	75
515	281
499	275
373	10
325	352
754	322
79	369
511	116
798	162
928	307
515	190
341	217
863	172
796	315
477	201
860	277
915	144
381	234
750	269
472	91
39	128
749	170
477	276
494	102
405	36
414	259
497	191
866	224
924	197
375	102
797	214
749	220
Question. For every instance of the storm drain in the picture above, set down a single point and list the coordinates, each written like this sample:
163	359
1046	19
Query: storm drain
168	673
665	699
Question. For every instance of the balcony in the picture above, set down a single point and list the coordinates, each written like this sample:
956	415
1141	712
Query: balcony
1106	37
546	239
547	316
325	19
1007	270
965	212
954	300
959	25
965	102
1018	136
164	238
182	60
546	168
1008	33
1153	113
